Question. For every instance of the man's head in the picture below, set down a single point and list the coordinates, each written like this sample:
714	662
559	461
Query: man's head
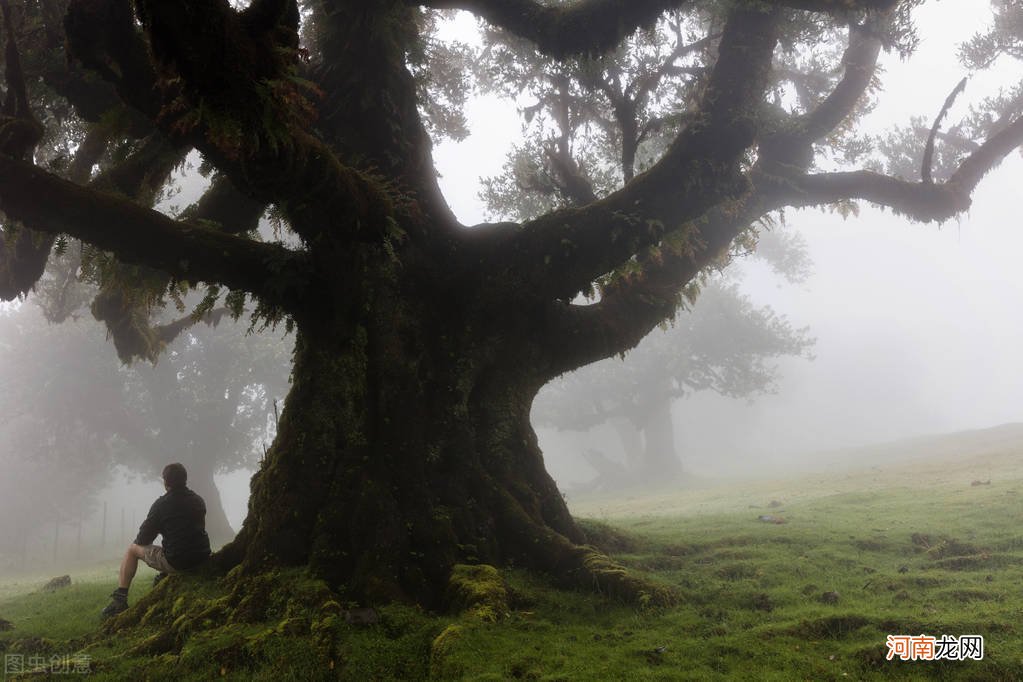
174	476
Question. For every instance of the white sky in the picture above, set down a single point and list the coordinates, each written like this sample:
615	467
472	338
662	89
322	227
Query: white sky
918	326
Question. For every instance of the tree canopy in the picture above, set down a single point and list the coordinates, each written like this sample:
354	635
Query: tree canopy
405	445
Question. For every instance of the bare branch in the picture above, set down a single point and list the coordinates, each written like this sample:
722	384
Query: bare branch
928	160
920	201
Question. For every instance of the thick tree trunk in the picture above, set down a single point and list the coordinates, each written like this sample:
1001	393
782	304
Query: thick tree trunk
200	479
660	459
390	467
631	439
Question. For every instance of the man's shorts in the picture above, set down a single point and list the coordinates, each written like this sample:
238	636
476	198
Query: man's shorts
154	558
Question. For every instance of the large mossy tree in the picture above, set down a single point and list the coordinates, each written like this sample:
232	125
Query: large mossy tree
405	445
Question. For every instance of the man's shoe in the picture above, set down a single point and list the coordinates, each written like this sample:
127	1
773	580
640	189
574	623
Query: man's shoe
158	577
118	604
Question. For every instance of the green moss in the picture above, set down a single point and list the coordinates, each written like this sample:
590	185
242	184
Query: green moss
478	590
441	667
615	580
162	642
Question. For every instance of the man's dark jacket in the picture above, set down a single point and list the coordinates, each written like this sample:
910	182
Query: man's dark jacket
180	516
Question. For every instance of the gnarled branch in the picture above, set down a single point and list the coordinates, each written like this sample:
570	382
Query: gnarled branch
47	203
562	252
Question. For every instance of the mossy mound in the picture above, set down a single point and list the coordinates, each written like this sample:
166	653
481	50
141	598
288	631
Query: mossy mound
248	627
479	591
616	581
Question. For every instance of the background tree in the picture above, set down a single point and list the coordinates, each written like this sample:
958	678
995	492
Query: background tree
593	123
208	402
52	457
724	344
405	444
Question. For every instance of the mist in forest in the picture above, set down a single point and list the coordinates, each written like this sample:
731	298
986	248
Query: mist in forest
916	330
916	326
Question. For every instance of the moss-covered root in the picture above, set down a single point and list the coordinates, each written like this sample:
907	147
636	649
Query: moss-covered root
479	591
238	622
589	568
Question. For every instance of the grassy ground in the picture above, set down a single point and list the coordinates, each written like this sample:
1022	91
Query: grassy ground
909	549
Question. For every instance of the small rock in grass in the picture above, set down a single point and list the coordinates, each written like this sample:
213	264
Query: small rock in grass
57	583
6	625
830	597
771	518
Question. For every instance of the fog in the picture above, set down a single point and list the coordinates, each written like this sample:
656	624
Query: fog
918	327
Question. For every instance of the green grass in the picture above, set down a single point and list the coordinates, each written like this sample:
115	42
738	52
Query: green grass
908	549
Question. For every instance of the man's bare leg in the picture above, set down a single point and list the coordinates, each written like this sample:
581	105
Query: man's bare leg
129	565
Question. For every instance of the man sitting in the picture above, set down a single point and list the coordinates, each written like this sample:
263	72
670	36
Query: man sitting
180	516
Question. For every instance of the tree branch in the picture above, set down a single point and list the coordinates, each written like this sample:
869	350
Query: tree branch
233	211
631	306
47	203
261	141
928	160
860	60
566	250
596	26
922	201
